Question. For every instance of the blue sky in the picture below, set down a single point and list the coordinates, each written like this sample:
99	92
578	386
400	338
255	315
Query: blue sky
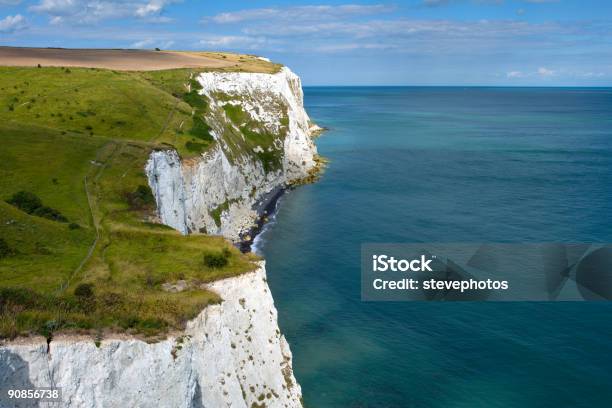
412	42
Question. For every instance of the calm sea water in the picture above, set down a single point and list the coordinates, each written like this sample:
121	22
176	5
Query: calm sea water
445	165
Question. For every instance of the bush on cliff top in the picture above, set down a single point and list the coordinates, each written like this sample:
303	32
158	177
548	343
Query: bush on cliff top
217	260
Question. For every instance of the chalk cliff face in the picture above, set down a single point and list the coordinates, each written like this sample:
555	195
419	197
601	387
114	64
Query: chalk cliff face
263	143
231	355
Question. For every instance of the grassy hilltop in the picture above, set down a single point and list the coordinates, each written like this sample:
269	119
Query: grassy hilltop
78	250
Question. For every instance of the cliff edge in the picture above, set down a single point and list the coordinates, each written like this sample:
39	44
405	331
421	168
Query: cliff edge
232	354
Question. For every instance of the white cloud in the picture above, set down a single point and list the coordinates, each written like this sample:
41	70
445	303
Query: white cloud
11	24
142	44
300	13
234	42
435	3
592	75
56	7
90	11
334	48
350	27
346	28
148	9
151	43
540	72
424	35
515	74
545	72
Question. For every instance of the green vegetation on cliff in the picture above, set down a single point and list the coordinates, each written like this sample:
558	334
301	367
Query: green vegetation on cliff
243	134
75	142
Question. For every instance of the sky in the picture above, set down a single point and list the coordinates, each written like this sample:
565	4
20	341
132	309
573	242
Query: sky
411	42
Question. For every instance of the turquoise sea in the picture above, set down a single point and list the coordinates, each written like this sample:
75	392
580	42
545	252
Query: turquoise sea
412	164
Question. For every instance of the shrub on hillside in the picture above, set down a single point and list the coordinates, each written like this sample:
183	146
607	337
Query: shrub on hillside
25	201
216	260
84	291
12	299
194	99
141	198
5	249
32	204
195	147
49	213
201	130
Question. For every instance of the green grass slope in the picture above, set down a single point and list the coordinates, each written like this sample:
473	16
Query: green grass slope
78	139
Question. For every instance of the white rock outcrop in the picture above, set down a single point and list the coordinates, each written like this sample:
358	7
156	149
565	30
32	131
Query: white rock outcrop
225	180
231	355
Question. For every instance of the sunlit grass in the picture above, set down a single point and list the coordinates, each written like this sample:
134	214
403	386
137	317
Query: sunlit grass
66	133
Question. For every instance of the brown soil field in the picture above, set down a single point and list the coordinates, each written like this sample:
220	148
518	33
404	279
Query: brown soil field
129	60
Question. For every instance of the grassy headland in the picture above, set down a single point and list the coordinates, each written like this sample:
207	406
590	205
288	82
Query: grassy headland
78	139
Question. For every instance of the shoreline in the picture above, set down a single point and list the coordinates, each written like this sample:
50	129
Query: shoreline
265	208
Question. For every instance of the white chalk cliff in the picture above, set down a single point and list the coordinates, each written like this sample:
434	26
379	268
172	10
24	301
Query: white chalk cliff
237	172
232	354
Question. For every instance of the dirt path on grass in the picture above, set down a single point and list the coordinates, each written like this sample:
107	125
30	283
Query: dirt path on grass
95	221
